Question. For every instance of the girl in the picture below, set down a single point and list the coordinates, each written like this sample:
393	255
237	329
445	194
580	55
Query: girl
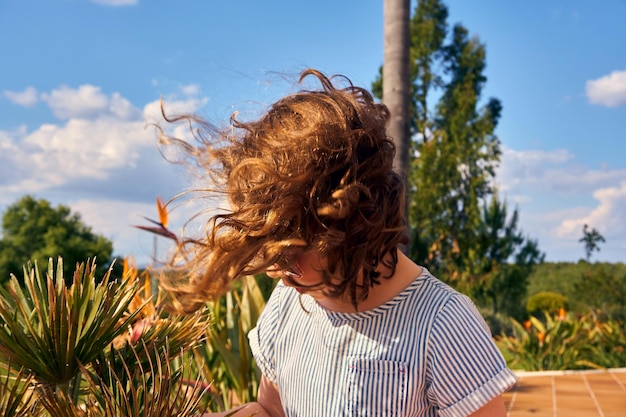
354	327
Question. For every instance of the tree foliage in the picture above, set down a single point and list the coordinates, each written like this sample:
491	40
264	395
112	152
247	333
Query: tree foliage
599	286
458	230
500	261
33	230
591	239
603	291
456	158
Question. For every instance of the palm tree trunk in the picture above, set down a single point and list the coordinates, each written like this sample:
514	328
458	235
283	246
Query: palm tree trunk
396	81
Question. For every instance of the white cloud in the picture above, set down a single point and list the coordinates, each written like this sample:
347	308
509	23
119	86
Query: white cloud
102	134
555	171
100	160
26	98
556	195
190	89
609	216
609	91
88	102
86	148
53	155
116	2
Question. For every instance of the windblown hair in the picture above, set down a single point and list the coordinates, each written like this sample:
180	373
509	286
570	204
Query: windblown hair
313	173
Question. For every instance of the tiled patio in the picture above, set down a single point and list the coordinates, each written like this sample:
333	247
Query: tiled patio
568	394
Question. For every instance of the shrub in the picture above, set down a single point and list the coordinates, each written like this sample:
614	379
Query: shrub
498	323
564	342
545	302
609	349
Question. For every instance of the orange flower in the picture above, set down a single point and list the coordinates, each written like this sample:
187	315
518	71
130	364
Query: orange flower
141	300
161	226
527	325
162	209
561	313
130	269
541	336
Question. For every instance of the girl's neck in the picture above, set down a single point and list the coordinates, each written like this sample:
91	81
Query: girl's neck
405	273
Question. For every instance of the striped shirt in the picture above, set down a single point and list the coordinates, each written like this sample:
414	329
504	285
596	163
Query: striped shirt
426	352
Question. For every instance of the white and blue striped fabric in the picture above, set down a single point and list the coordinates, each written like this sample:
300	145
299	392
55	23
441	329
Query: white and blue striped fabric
427	352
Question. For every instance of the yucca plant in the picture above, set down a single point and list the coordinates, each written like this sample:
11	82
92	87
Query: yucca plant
50	329
95	348
17	397
145	388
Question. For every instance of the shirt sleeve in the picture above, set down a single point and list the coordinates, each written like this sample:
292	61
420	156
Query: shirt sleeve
262	338
467	369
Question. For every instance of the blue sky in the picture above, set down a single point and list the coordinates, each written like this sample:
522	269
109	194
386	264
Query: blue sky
81	79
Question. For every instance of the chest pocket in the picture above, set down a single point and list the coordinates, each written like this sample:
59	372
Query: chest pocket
376	388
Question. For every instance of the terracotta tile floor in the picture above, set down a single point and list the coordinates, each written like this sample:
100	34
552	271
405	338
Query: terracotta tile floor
568	394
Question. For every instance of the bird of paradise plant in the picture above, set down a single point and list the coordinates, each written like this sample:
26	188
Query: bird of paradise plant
556	343
609	348
160	227
224	359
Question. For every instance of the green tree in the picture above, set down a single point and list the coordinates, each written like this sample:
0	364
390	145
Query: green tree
501	261
591	239
455	145
603	290
33	230
455	166
457	231
599	285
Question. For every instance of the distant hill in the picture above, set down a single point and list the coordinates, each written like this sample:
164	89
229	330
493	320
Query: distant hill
586	285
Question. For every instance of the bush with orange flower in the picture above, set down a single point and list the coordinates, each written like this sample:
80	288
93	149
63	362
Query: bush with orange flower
564	341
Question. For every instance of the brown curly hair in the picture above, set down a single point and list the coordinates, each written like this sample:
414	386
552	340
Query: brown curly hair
313	173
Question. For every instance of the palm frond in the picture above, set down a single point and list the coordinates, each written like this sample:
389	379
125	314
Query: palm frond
49	328
17	398
174	331
145	388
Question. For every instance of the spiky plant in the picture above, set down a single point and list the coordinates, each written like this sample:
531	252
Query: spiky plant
50	329
226	359
144	389
63	339
154	327
17	398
